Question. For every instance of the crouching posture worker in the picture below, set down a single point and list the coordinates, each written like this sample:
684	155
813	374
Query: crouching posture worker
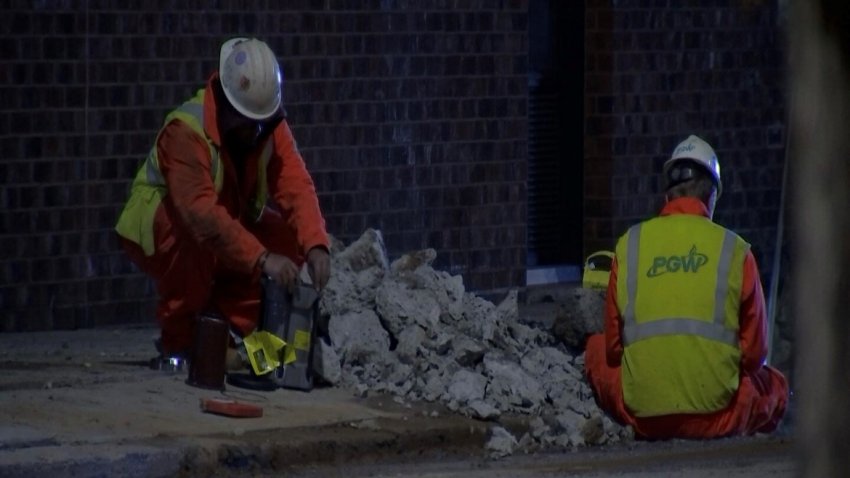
223	197
685	339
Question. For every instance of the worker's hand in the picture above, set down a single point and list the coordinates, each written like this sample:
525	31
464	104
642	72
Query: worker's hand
319	267
282	270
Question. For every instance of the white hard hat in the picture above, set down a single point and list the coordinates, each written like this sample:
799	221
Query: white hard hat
695	150
251	77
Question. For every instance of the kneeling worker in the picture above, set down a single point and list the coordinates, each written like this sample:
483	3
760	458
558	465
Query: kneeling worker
685	340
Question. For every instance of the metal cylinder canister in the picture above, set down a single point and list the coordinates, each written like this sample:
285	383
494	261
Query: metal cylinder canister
208	365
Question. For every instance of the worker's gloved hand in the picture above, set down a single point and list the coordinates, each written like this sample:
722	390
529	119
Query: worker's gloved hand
282	270
319	267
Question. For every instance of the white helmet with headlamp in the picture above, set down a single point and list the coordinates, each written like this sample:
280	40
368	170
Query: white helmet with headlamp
250	77
692	151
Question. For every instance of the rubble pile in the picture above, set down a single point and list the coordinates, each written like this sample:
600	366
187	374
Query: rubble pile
406	329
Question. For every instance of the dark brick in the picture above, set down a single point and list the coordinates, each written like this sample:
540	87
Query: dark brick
733	40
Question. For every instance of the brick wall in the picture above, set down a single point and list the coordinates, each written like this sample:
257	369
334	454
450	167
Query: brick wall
654	76
410	114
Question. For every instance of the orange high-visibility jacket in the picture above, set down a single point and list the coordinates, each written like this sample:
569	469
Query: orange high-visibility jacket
215	219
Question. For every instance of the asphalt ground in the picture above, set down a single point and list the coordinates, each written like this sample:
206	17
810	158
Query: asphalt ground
86	403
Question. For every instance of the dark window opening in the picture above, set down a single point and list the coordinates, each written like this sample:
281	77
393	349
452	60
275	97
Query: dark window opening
555	132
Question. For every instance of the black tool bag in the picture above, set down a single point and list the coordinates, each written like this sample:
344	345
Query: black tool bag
292	317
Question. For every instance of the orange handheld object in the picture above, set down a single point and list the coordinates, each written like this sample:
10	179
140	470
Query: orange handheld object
231	408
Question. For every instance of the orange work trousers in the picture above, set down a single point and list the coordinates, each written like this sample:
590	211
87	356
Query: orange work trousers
190	279
757	406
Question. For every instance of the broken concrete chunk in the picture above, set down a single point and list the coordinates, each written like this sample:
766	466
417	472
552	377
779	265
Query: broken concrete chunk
614	431
466	386
501	442
580	314
508	308
477	308
479	321
563	441
359	336
570	397
528	444
538	427
482	410
578	361
399	306
361	390
467	352
349	291
576	372
411	261
446	289
569	422
400	376
539	361
409	341
517	339
446	366
367	251
435	385
441	343
592	431
511	388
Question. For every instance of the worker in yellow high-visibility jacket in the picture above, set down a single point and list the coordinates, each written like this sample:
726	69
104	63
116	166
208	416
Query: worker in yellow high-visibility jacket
685	339
223	197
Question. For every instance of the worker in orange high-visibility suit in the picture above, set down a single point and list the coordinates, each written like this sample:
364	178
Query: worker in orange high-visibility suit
223	197
685	337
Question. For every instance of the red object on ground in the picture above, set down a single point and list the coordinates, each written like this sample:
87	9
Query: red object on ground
231	408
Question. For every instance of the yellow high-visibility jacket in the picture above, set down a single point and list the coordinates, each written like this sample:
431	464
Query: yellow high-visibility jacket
136	220
679	294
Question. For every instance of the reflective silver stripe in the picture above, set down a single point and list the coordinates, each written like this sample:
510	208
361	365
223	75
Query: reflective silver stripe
154	175
193	109
724	265
632	248
679	326
152	171
197	110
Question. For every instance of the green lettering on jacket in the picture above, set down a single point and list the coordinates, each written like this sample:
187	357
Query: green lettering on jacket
688	263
